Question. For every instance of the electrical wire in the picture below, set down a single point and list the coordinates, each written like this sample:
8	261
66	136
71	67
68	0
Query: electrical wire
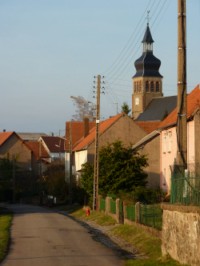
133	45
118	75
118	72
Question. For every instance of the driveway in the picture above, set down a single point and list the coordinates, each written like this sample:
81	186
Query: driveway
41	237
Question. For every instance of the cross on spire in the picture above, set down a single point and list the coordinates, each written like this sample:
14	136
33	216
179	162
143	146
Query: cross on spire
148	17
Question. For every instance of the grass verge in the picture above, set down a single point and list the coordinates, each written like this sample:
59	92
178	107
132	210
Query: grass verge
143	241
5	224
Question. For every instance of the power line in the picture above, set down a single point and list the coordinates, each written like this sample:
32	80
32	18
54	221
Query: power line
127	55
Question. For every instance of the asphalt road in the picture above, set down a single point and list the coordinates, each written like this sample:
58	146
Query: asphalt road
41	237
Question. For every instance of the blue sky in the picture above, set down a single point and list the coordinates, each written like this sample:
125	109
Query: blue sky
51	50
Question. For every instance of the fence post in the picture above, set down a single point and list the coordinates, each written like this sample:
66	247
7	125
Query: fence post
99	202
125	210
137	212
107	208
119	211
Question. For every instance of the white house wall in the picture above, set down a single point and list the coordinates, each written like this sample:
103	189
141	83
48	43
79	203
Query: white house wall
67	166
191	144
169	152
80	158
168	155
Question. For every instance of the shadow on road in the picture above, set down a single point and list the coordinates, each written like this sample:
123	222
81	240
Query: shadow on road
99	236
26	209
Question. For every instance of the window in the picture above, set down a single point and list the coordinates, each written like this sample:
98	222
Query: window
135	86
169	144
165	143
152	86
140	86
157	86
147	86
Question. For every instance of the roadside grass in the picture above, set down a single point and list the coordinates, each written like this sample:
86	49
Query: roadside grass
94	216
143	241
5	224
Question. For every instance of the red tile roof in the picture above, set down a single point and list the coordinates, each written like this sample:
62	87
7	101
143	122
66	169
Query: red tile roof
54	144
148	126
193	103
4	136
35	147
104	125
77	131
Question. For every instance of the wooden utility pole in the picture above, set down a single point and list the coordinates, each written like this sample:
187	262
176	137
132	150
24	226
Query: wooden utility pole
14	177
96	155
70	164
182	87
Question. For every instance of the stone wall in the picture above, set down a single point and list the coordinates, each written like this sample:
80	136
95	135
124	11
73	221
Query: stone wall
181	233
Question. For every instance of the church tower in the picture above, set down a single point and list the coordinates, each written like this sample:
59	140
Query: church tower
147	82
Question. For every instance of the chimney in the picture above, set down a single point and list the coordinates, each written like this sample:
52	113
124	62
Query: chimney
85	127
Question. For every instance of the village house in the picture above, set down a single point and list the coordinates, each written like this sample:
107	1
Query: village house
163	142
16	171
117	128
168	135
13	148
74	132
54	146
40	159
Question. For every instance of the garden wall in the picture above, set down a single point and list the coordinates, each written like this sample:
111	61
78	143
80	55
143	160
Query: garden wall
181	233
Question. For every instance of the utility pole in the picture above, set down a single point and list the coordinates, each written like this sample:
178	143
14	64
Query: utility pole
70	164
182	87
96	155
14	177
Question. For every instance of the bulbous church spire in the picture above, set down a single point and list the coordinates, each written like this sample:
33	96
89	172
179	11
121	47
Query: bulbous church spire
147	81
147	64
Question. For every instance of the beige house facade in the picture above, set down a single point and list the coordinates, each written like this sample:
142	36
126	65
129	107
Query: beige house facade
12	147
118	128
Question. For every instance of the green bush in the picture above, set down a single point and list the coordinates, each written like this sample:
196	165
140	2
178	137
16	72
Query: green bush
143	195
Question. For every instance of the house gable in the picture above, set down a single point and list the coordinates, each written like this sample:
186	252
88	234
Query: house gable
103	127
13	147
119	128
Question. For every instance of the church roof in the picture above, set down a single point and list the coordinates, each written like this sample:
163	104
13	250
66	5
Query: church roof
158	109
147	36
147	66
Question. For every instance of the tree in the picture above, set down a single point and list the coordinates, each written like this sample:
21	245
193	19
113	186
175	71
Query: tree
54	181
125	108
120	169
87	180
84	108
6	184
